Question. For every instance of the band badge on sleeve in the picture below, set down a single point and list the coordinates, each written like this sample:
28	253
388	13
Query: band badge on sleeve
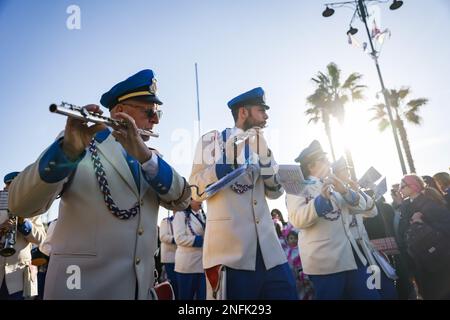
333	215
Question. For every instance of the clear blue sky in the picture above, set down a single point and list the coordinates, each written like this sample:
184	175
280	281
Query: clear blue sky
238	45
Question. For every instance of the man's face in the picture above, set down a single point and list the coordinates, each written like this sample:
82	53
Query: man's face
143	113
320	168
256	117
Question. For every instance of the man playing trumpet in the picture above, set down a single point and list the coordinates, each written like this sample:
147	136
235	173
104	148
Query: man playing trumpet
18	277
240	237
111	186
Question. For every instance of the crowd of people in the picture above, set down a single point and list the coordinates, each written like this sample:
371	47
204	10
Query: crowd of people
340	241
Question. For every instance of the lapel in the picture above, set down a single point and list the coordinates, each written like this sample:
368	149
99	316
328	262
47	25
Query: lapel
112	152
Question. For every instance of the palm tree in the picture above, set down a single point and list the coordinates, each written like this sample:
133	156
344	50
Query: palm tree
408	111
329	99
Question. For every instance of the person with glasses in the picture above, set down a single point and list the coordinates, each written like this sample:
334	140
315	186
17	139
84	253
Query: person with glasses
331	253
239	237
111	185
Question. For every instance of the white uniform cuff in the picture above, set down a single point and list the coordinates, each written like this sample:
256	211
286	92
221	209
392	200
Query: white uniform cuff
151	167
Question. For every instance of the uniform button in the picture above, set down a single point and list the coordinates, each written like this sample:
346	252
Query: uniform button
255	202
140	231
142	203
138	260
257	220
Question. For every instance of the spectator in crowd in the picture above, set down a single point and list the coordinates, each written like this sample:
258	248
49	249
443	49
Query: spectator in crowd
443	182
421	212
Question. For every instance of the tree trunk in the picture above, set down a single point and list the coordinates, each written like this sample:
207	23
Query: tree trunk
326	122
405	144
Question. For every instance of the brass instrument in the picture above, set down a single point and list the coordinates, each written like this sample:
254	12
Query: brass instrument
80	113
9	237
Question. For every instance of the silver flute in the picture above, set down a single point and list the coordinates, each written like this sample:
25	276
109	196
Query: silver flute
250	133
80	113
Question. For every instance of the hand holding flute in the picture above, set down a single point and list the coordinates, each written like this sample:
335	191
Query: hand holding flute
78	134
333	183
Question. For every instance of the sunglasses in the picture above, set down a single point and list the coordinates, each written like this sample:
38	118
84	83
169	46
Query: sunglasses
150	113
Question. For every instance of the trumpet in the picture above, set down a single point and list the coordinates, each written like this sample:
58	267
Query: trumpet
80	113
10	240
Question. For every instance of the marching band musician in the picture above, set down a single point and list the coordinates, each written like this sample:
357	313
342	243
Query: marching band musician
241	253
189	228
111	186
168	249
331	249
18	277
340	168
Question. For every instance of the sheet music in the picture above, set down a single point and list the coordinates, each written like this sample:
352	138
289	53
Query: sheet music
291	178
369	178
380	189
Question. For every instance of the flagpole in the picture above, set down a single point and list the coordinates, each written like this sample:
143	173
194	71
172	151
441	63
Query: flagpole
198	99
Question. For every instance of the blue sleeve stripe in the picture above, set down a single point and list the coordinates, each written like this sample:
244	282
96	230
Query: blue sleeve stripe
25	228
163	180
198	242
54	165
224	139
223	169
322	205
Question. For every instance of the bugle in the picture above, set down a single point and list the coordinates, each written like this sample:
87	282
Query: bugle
80	113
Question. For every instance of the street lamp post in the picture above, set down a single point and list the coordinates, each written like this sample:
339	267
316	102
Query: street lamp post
361	8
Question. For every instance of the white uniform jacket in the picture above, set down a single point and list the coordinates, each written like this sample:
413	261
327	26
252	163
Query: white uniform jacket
96	255
238	215
168	246
189	231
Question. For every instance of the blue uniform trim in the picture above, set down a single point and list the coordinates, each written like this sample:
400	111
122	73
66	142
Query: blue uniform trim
54	165
223	169
102	135
163	180
351	198
276	283
198	242
25	227
322	205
